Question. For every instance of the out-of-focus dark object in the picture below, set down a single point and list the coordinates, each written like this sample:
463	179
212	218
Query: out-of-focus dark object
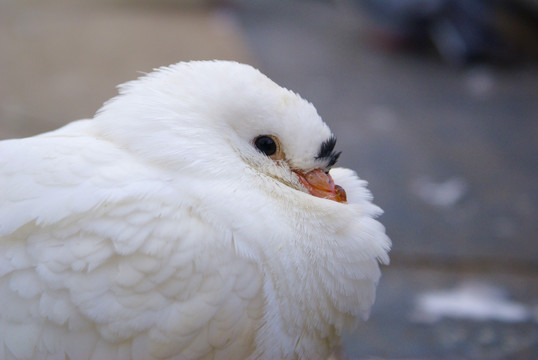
462	31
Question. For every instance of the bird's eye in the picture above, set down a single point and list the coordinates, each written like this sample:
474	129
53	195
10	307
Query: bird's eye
266	144
270	146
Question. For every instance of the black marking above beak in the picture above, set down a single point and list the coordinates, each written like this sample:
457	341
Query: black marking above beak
326	151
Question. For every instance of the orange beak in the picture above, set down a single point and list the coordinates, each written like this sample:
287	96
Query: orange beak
320	184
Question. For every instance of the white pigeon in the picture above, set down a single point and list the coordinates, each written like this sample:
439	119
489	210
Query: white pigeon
193	217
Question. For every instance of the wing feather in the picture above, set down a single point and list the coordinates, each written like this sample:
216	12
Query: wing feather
101	259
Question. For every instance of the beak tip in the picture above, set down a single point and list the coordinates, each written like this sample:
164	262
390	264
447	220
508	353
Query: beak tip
340	193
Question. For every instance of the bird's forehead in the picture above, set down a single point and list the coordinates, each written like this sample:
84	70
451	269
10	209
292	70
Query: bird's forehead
304	127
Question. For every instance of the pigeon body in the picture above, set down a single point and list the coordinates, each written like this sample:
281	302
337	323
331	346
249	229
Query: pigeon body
191	218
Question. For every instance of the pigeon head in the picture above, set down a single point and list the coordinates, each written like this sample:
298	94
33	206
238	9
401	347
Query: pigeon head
228	116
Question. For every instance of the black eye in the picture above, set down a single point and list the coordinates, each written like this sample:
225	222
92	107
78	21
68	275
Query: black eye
266	145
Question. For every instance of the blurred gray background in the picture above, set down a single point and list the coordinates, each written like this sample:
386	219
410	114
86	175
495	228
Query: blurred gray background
436	107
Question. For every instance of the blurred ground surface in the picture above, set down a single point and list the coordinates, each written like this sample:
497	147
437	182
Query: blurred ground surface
450	153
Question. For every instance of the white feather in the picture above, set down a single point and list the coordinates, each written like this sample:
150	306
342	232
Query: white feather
156	230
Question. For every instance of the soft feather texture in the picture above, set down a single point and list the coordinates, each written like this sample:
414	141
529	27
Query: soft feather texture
156	230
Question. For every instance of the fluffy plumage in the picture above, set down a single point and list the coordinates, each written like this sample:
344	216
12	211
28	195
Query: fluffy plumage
157	230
